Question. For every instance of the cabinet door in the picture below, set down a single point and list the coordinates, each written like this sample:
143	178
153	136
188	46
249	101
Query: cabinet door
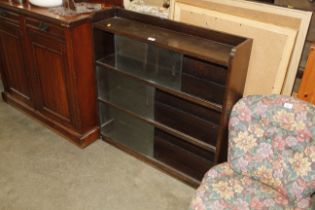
14	68
49	63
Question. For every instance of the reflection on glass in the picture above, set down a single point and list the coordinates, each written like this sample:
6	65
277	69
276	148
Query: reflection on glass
148	61
137	97
126	130
166	68
126	93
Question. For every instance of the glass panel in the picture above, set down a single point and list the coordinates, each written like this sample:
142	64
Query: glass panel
148	61
137	97
126	93
168	69
148	140
126	130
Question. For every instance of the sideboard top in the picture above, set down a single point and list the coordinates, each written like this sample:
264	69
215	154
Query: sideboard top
46	14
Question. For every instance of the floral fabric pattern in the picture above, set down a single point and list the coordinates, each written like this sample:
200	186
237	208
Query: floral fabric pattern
224	189
271	160
271	139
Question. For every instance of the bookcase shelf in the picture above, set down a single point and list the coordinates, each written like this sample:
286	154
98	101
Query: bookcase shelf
202	48
165	90
171	85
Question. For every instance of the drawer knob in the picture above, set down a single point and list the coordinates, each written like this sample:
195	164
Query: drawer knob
43	26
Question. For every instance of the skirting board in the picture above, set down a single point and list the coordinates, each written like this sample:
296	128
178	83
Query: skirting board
271	51
285	17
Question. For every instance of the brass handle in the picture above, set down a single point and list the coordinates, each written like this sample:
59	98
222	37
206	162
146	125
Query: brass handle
43	26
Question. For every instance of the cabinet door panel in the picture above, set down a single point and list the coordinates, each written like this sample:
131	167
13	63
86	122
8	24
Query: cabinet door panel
13	65
49	63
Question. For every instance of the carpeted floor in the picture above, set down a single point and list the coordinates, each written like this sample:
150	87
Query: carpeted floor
41	170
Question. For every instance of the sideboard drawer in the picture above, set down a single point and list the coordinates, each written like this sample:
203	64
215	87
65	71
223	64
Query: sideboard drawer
45	28
9	16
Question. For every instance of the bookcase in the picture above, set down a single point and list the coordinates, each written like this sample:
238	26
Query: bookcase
166	89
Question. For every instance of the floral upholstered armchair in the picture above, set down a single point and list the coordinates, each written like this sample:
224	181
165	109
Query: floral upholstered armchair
271	162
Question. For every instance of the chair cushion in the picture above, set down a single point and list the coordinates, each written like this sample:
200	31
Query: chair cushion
222	188
271	139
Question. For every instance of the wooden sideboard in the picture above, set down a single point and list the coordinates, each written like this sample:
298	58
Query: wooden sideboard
47	68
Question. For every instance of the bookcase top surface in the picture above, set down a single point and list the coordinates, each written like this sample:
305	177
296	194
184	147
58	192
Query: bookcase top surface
185	43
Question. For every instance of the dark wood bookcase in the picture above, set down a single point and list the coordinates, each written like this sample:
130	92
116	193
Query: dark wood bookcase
165	89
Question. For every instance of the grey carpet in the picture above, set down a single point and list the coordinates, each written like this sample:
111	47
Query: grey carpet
41	170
